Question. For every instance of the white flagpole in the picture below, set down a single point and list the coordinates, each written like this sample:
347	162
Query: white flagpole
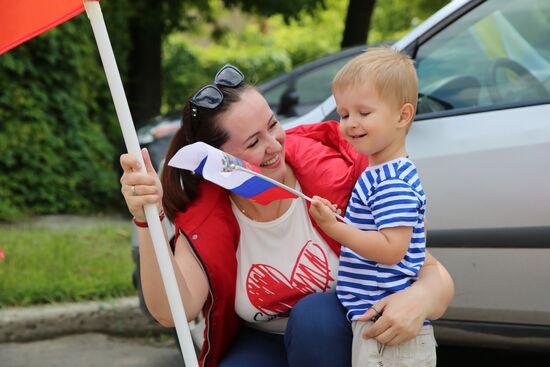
130	138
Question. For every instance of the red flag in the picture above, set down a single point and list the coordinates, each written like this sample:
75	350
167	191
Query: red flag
21	20
2	256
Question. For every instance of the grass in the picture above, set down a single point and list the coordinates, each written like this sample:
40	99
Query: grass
44	265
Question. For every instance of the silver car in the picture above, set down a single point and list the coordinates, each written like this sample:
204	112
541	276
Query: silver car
481	142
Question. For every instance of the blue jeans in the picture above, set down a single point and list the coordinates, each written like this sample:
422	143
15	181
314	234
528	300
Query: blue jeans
318	334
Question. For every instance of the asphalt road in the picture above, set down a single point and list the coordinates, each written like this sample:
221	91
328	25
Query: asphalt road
98	350
482	357
92	350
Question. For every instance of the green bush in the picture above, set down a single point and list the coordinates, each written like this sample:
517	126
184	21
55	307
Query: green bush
183	73
58	128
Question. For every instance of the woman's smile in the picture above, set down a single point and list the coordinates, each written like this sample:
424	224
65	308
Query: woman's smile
272	163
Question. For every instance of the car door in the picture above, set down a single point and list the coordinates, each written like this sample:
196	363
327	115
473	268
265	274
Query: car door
481	142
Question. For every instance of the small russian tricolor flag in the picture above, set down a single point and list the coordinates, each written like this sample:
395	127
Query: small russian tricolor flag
223	169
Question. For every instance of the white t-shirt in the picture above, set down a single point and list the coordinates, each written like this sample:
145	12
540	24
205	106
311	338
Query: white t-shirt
279	262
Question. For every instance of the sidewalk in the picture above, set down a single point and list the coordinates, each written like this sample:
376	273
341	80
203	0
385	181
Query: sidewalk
121	316
62	221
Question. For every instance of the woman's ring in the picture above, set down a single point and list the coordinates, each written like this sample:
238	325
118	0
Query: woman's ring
134	190
378	314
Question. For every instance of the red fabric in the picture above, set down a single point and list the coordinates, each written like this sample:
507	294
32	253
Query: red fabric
22	20
213	232
324	164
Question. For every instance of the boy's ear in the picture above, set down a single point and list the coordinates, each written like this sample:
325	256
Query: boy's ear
406	116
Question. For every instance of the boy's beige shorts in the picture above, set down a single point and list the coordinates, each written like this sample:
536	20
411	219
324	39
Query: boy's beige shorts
418	352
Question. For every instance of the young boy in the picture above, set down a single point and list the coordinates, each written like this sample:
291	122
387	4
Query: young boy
384	246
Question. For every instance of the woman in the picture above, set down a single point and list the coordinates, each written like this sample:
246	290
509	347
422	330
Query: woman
263	275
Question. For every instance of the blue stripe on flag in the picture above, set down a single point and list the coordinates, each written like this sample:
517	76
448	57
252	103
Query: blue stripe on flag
199	169
252	187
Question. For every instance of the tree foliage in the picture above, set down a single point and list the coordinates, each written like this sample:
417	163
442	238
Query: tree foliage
58	128
392	19
163	16
287	8
261	46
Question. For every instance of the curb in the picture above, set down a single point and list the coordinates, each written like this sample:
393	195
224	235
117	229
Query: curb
120	316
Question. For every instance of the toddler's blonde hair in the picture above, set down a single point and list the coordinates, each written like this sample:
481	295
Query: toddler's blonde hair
391	72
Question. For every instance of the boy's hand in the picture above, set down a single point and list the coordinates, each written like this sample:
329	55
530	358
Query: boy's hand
322	212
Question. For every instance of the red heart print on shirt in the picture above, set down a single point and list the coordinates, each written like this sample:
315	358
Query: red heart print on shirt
271	292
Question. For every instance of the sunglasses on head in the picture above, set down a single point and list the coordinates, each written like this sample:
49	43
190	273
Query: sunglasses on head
210	96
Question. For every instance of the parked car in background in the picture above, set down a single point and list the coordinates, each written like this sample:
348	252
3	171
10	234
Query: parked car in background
156	134
481	143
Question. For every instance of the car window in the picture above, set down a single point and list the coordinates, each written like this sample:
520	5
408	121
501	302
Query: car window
311	87
273	96
315	86
496	54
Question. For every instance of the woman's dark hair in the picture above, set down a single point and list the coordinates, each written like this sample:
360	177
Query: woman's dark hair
205	127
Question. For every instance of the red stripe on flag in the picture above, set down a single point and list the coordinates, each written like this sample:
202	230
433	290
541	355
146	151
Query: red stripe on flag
275	193
22	20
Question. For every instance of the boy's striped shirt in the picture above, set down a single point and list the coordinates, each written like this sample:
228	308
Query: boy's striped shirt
388	195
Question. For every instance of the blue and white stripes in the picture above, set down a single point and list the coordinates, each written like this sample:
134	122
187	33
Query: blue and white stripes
388	195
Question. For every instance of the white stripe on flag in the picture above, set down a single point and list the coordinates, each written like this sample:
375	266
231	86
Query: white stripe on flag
191	156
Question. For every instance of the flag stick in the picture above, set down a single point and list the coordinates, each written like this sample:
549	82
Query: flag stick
130	138
282	186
